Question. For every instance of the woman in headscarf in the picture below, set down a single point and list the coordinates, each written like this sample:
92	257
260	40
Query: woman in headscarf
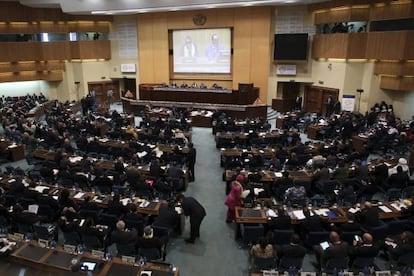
234	198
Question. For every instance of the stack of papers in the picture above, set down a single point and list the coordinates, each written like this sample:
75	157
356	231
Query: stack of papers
125	201
41	188
353	210
385	209
321	212
271	213
79	195
144	204
298	214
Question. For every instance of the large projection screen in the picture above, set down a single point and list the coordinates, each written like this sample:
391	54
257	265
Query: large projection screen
202	51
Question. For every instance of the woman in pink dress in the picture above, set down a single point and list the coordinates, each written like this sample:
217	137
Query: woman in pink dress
234	198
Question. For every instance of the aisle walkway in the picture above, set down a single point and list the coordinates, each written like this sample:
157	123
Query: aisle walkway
216	253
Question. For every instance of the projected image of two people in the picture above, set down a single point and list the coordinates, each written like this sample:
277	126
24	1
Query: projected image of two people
202	51
213	52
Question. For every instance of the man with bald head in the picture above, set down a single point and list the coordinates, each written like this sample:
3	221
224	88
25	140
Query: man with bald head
369	216
365	247
337	249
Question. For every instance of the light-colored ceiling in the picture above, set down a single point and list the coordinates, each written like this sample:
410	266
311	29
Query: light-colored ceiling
141	6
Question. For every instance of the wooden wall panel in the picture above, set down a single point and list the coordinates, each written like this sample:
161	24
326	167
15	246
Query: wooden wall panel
386	45
56	50
409	46
94	49
357	44
392	10
397	83
31	66
330	46
394	68
53	27
28	76
13	11
20	51
250	25
347	14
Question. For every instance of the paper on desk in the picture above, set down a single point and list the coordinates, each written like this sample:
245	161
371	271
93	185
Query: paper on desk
144	204
298	214
11	180
257	191
271	213
353	210
385	209
74	159
41	188
321	212
25	183
12	146
79	195
398	205
278	174
179	210
33	208
393	244
245	193
142	154
125	201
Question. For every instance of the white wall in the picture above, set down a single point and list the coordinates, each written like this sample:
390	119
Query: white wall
24	87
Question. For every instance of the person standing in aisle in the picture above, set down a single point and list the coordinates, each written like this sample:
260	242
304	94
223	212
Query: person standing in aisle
193	209
191	159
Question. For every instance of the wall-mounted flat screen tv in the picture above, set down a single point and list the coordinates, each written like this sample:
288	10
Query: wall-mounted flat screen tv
202	51
291	46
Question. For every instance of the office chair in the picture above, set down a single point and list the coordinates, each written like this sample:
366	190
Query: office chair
259	263
360	263
72	238
393	194
150	253
281	237
134	224
337	264
251	233
379	232
316	237
396	226
108	220
91	242
45	232
288	262
126	249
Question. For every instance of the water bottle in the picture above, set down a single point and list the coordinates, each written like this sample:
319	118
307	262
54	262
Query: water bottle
335	271
366	271
81	249
109	256
52	244
141	262
171	270
29	237
292	271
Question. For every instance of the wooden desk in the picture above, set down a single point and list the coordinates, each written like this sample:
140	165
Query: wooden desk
270	176
313	132
44	154
58	261
358	143
16	152
250	215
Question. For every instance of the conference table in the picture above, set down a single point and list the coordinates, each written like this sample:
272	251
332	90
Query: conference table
60	260
271	176
16	150
333	214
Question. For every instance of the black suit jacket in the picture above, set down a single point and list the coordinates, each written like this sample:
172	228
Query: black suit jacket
292	250
281	222
370	217
365	251
340	250
124	237
167	217
193	209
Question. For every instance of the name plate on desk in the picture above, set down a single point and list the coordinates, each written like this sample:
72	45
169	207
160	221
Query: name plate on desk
16	237
68	248
43	243
128	259
98	254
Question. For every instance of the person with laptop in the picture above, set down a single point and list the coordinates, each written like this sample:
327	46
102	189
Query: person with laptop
335	248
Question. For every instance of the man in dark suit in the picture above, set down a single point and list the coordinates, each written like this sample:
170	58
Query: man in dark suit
310	223
402	245
193	209
364	248
292	250
121	236
336	249
167	217
369	216
398	180
191	159
148	240
298	102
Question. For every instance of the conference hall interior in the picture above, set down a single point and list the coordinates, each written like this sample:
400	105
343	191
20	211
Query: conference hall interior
222	138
